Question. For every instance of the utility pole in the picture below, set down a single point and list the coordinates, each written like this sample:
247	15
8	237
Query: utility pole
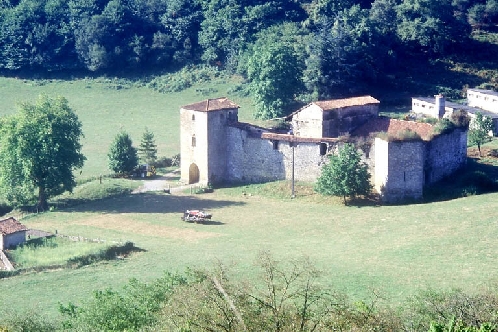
293	144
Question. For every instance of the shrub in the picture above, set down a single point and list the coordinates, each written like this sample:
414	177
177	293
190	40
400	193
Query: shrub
444	126
406	135
460	119
27	322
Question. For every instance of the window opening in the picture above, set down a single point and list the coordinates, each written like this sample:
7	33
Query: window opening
193	117
323	149
193	141
275	145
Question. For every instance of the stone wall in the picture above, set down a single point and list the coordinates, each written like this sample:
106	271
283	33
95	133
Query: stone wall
399	169
253	159
444	155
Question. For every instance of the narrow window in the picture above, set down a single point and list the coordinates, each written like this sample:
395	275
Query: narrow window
323	149
404	176
193	141
193	117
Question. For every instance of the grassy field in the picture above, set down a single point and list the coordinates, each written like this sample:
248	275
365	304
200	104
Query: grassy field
393	250
106	106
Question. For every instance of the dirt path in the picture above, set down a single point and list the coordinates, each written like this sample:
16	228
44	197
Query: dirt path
167	181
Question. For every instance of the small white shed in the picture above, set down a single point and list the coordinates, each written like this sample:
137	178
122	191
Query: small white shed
12	233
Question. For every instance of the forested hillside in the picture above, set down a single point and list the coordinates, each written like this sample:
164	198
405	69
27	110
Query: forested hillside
324	45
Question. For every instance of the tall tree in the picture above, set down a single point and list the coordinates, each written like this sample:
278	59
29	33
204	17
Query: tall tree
431	26
123	157
275	70
341	53
148	148
345	175
39	149
479	129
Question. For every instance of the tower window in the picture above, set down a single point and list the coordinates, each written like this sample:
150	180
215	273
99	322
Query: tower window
323	149
193	117
193	141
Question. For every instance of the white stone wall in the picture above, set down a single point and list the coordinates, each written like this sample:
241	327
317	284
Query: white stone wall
308	122
12	240
193	124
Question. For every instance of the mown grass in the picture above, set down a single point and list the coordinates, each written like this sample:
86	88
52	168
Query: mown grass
395	251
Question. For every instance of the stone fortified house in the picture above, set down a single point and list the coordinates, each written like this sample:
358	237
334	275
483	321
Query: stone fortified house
216	147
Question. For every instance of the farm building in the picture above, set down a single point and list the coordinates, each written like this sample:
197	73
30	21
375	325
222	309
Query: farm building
12	233
481	101
216	147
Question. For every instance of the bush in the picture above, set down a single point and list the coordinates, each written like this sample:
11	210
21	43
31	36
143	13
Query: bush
480	181
184	78
444	126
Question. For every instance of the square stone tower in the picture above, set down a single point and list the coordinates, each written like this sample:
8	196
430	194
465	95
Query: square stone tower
203	135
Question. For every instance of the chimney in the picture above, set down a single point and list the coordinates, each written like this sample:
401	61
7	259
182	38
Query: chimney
440	106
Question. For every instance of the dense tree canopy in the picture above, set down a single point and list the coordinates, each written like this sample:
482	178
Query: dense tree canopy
39	149
275	70
344	45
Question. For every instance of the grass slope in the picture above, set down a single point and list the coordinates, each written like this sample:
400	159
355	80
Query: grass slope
106	106
395	250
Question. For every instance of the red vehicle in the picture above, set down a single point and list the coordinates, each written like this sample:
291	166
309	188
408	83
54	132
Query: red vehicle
197	216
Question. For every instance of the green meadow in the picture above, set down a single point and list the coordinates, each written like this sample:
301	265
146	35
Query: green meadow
392	251
105	106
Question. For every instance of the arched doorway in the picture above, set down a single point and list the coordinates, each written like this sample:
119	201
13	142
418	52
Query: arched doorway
193	174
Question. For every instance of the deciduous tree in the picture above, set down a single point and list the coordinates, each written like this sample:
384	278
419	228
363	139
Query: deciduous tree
345	175
39	150
123	157
479	130
275	70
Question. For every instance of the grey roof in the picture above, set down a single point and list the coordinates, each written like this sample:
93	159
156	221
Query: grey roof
487	92
457	106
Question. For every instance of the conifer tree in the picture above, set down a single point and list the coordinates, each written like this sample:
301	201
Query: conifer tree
148	148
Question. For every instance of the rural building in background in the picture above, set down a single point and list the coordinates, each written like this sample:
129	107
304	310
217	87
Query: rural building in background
12	233
482	101
217	148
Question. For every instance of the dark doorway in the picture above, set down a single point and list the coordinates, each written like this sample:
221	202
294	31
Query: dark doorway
193	174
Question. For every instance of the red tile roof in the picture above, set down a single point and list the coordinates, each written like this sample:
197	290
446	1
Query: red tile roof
329	105
10	226
393	127
208	105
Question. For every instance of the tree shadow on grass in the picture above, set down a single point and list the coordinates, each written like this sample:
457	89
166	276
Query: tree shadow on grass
477	178
152	203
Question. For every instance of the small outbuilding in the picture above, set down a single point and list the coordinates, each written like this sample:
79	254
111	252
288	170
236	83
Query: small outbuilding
12	233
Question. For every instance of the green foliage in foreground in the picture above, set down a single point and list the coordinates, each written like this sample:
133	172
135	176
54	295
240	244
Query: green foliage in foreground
345	175
288	297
